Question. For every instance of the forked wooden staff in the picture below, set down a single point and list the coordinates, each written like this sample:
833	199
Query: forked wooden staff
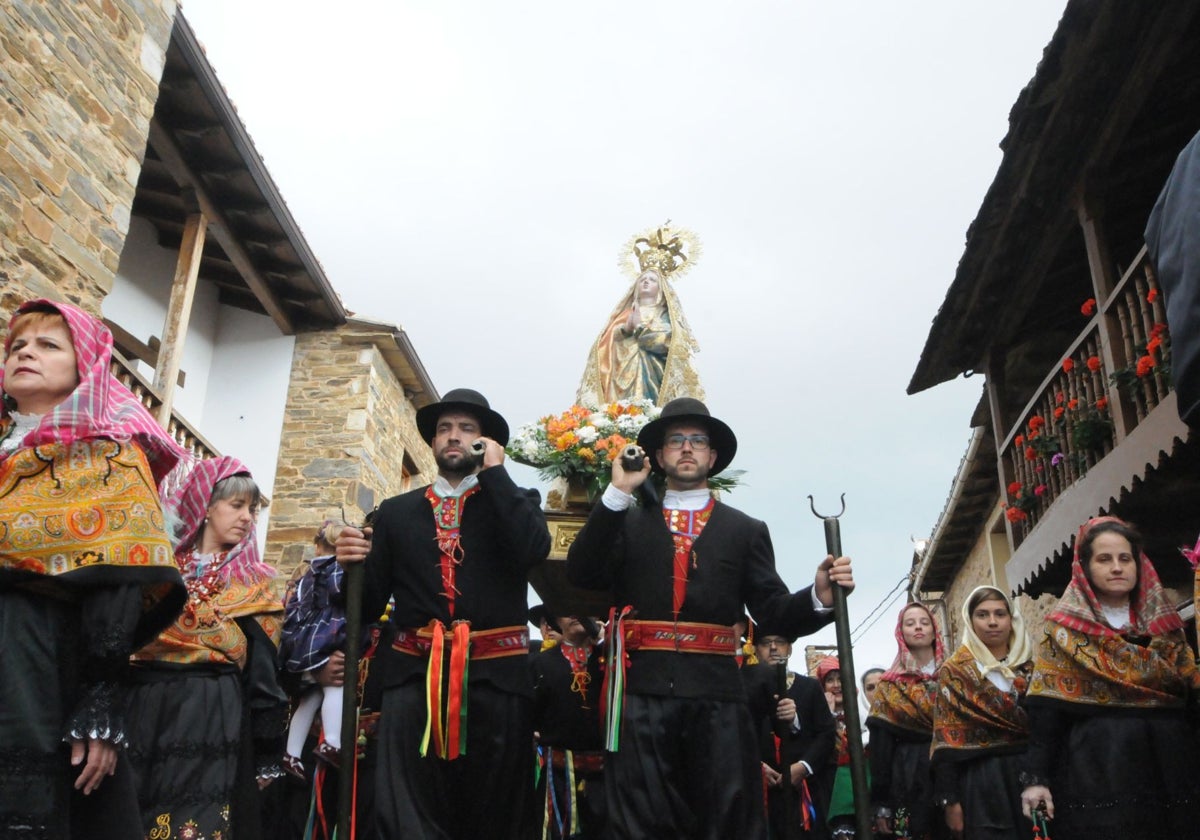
841	618
353	584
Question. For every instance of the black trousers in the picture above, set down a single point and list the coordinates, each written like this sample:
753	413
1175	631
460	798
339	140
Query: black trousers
686	769
488	792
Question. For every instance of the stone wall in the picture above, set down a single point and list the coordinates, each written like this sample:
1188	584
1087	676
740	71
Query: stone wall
347	429
78	83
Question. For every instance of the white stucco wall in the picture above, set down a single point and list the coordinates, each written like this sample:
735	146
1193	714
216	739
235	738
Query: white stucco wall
237	363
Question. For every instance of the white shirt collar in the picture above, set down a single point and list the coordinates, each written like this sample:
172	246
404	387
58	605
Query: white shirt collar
443	490
686	499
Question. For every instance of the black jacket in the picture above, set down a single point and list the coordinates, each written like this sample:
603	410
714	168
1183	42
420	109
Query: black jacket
631	553
503	536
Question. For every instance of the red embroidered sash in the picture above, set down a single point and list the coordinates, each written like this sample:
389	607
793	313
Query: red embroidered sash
447	518
685	527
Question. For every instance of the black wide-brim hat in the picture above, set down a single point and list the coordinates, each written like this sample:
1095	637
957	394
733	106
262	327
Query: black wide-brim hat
688	410
469	402
539	611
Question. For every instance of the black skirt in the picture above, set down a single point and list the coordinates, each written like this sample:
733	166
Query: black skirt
184	745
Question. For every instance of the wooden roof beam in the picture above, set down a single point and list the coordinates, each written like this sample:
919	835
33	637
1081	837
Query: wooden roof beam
219	227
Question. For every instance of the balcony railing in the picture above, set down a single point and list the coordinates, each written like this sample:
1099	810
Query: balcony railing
183	434
1110	379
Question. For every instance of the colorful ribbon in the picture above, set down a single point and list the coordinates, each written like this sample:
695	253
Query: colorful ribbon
446	712
612	692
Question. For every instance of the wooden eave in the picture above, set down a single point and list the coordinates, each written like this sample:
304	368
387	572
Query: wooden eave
973	495
1114	98
401	357
201	158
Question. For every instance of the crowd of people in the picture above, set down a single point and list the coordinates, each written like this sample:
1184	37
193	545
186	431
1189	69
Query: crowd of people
149	666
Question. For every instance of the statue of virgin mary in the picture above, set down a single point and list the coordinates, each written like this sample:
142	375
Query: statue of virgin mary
645	350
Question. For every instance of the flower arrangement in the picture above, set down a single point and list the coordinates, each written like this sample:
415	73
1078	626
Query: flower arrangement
582	441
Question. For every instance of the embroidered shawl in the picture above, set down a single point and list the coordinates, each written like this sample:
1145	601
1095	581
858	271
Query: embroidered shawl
971	714
905	696
100	406
87	514
1083	660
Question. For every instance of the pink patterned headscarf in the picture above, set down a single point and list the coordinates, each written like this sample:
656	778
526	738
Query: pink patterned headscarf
1151	611
100	406
189	506
904	667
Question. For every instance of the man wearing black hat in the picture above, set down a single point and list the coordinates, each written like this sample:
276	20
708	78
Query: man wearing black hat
798	736
454	737
570	744
683	760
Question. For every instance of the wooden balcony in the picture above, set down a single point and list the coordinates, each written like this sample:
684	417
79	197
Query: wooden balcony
179	429
1110	380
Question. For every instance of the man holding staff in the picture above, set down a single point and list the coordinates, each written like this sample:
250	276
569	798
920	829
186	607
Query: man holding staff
683	753
457	719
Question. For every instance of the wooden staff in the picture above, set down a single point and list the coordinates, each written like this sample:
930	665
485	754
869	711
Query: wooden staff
841	618
353	585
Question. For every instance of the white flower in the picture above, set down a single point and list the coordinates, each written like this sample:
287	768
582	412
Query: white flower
587	435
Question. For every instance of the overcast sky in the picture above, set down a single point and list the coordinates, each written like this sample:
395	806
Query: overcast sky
469	170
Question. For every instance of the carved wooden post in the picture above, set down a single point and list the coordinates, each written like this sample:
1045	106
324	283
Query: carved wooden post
179	311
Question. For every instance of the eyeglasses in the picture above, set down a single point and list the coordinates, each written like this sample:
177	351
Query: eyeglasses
698	442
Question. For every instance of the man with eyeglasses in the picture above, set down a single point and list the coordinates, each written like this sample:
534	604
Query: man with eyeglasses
797	740
683	757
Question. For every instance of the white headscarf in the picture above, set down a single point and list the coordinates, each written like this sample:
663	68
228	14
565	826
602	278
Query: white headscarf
1020	648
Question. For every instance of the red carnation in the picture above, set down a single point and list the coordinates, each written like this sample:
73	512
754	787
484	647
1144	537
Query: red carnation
1089	307
1014	488
1145	365
1093	363
1068	365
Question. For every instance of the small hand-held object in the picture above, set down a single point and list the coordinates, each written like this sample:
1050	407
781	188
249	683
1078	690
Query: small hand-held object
632	458
478	448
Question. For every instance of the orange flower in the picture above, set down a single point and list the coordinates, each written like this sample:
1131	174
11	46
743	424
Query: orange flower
1089	307
1072	404
1093	363
1153	344
1152	296
1036	422
1145	365
601	444
1102	403
1157	330
564	441
587	454
1068	365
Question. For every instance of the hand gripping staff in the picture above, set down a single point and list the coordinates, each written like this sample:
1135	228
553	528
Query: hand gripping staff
841	618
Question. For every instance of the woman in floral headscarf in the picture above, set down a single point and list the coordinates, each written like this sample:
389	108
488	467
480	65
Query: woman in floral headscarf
86	574
979	727
208	713
901	726
1113	753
